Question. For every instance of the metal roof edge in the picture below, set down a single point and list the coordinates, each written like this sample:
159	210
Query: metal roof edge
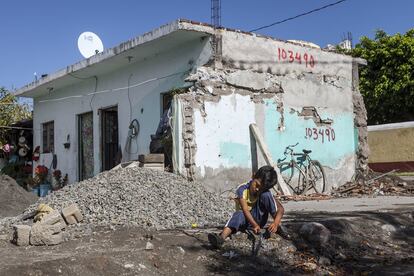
391	126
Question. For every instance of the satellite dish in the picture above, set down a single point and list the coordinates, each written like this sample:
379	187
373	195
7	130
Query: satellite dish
89	44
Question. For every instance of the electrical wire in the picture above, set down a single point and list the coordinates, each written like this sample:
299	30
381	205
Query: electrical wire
86	78
93	96
297	16
129	98
115	89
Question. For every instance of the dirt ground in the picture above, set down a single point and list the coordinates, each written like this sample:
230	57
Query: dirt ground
362	243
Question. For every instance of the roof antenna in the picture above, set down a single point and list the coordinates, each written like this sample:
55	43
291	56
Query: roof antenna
216	13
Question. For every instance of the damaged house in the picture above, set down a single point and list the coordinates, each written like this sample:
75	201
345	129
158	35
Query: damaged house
214	83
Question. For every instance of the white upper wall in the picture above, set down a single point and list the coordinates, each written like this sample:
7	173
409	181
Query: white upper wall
263	54
147	80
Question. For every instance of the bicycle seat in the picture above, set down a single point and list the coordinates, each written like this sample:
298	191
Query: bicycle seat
306	151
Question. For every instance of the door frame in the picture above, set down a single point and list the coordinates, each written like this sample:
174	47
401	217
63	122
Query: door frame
79	132
101	130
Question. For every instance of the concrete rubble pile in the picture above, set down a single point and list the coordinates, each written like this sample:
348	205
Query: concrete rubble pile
141	197
376	185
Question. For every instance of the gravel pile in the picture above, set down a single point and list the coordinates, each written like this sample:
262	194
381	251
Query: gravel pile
141	197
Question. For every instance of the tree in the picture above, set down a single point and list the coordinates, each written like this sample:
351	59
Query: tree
387	82
10	112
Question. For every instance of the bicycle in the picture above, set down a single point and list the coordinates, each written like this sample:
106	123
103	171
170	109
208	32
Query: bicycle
302	176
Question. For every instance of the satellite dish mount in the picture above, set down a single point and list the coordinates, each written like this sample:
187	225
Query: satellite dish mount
89	44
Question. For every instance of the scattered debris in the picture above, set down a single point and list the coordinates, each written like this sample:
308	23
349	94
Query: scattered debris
304	197
182	251
324	261
149	246
388	227
230	254
376	184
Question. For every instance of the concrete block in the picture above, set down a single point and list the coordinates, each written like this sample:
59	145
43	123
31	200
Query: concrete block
21	235
44	234
54	218
72	214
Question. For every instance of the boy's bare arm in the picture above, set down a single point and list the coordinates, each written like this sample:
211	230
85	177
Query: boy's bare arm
277	218
248	215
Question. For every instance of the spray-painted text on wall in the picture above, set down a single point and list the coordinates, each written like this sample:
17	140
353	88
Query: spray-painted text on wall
321	134
288	55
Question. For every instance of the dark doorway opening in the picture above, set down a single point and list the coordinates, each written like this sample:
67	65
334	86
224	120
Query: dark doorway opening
85	136
111	153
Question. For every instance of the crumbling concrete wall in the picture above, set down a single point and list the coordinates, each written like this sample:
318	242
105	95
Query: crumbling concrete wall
361	125
293	93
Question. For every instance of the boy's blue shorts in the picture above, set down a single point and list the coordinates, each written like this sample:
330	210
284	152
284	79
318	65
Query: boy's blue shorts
264	206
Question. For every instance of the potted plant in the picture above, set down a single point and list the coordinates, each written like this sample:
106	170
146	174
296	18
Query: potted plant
41	173
57	180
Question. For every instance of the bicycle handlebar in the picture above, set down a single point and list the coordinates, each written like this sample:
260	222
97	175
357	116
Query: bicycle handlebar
292	146
289	148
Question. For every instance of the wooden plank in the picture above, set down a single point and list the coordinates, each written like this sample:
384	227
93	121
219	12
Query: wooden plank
268	158
253	151
151	158
151	165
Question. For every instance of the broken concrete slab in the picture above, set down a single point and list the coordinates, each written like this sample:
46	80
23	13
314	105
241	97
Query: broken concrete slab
21	235
43	234
72	214
54	218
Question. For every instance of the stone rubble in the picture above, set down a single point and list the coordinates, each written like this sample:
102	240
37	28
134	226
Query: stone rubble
151	199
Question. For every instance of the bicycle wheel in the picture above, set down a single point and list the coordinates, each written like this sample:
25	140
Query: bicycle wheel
317	179
294	177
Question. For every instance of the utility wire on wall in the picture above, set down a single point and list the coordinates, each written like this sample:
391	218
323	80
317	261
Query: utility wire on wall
297	16
114	89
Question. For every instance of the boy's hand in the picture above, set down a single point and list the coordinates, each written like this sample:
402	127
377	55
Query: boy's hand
273	227
256	229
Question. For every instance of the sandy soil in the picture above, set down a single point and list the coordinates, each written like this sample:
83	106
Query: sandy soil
362	243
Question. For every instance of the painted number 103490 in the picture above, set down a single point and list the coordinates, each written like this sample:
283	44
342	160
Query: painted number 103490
291	56
321	134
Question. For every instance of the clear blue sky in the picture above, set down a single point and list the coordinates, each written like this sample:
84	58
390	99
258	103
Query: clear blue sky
41	36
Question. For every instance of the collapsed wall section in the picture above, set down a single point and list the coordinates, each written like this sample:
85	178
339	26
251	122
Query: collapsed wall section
295	94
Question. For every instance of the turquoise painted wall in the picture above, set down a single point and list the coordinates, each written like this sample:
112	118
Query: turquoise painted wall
236	154
328	144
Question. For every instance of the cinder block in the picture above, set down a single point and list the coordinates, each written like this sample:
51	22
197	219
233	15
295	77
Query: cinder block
72	214
21	235
54	218
44	234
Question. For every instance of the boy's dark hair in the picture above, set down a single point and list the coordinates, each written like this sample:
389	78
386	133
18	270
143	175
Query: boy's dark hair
267	176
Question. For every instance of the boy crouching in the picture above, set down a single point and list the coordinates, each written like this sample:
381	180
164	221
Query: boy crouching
254	203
